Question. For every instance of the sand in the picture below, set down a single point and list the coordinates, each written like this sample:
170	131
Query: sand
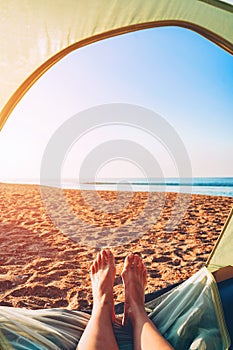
46	253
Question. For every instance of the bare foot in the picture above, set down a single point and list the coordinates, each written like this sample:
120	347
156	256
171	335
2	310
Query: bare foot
103	272
134	277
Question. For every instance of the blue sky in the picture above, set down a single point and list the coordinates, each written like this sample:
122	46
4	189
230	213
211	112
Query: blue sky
173	71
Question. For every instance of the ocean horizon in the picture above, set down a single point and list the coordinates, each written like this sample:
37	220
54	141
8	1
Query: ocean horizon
214	186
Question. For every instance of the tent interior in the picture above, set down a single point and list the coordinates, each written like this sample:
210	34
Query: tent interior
42	33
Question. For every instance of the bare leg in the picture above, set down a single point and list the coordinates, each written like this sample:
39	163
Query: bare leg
146	336
99	334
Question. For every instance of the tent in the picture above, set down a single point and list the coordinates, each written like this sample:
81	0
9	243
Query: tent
37	34
221	255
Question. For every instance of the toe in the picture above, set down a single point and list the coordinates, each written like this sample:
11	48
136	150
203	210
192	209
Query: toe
104	259
98	260
129	260
140	264
127	264
110	257
94	267
136	260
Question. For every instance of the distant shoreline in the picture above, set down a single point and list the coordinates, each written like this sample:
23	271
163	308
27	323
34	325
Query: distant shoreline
212	186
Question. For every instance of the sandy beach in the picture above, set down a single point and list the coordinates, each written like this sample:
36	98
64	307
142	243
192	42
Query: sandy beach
46	252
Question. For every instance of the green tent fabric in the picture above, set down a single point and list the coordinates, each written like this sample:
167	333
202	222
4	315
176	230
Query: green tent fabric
221	255
37	34
195	321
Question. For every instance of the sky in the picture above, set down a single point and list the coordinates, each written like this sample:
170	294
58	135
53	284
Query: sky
173	72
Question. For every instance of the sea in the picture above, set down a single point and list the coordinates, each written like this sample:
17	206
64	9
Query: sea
213	186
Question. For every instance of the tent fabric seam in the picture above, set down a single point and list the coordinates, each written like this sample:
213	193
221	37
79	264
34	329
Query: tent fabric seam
219	4
218	308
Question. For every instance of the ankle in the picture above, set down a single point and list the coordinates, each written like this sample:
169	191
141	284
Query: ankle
136	312
103	301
